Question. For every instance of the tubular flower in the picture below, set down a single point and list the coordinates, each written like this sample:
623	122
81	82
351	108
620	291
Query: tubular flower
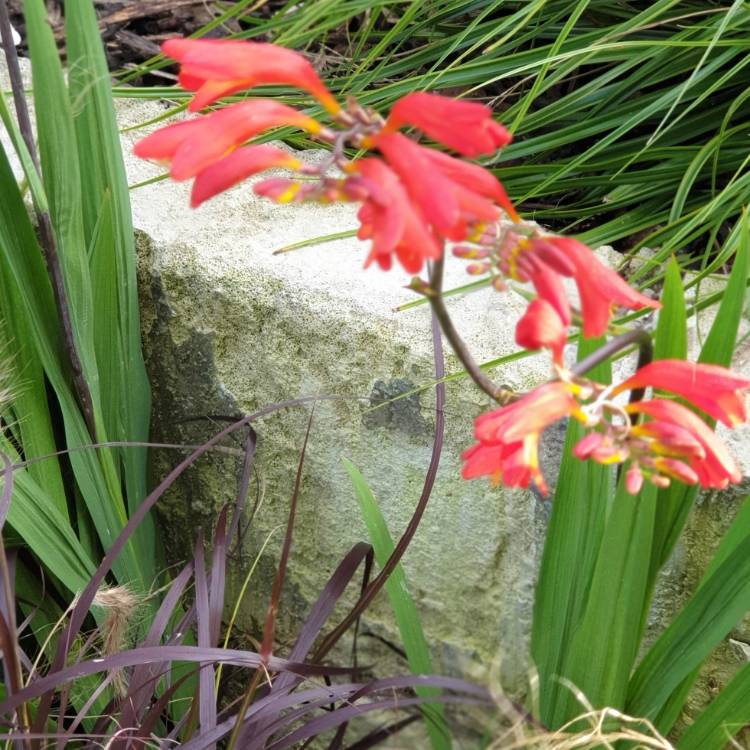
662	440
508	438
214	68
192	146
453	207
232	169
542	327
713	389
706	458
543	259
389	220
472	177
466	127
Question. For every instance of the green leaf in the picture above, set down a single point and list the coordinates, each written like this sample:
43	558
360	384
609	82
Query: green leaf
727	713
404	608
721	340
670	339
670	342
125	387
579	511
95	472
602	652
721	600
47	532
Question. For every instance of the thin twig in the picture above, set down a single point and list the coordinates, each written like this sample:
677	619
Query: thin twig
435	296
46	232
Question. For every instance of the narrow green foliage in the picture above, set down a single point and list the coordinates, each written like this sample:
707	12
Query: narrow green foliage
721	600
722	718
96	472
125	387
670	342
601	653
579	512
404	608
721	340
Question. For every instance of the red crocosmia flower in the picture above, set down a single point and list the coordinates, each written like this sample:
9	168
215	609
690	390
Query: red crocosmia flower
474	178
388	218
451	206
214	68
240	164
508	438
713	389
599	287
466	127
430	190
543	259
541	327
193	146
713	466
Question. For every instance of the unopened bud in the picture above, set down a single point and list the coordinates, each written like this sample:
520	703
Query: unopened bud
477	269
470	252
659	481
633	479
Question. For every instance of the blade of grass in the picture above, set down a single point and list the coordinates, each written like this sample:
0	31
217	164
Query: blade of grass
403	605
579	510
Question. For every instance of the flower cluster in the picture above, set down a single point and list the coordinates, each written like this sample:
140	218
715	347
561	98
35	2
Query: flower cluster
660	437
414	200
527	254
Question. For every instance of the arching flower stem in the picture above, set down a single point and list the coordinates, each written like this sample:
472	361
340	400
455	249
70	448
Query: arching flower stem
638	336
434	294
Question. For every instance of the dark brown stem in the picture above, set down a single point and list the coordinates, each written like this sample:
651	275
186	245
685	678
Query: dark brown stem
411	529
435	296
16	81
46	232
639	336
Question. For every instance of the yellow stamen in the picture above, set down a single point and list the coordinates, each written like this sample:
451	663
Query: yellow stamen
288	195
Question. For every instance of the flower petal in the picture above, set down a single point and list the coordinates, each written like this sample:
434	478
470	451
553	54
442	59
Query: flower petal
226	129
430	190
541	327
717	469
474	178
713	389
464	126
240	164
245	64
599	287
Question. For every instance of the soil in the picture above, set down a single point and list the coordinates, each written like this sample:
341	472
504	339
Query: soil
132	30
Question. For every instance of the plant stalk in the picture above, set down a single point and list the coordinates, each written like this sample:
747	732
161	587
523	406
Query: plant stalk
435	296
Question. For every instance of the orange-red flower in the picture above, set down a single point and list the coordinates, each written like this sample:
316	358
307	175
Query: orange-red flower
240	164
466	127
544	259
388	218
472	177
449	206
508	438
662	440
541	327
192	146
709	462
214	68
713	389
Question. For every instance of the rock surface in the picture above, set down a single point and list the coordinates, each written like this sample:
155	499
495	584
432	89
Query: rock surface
230	328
